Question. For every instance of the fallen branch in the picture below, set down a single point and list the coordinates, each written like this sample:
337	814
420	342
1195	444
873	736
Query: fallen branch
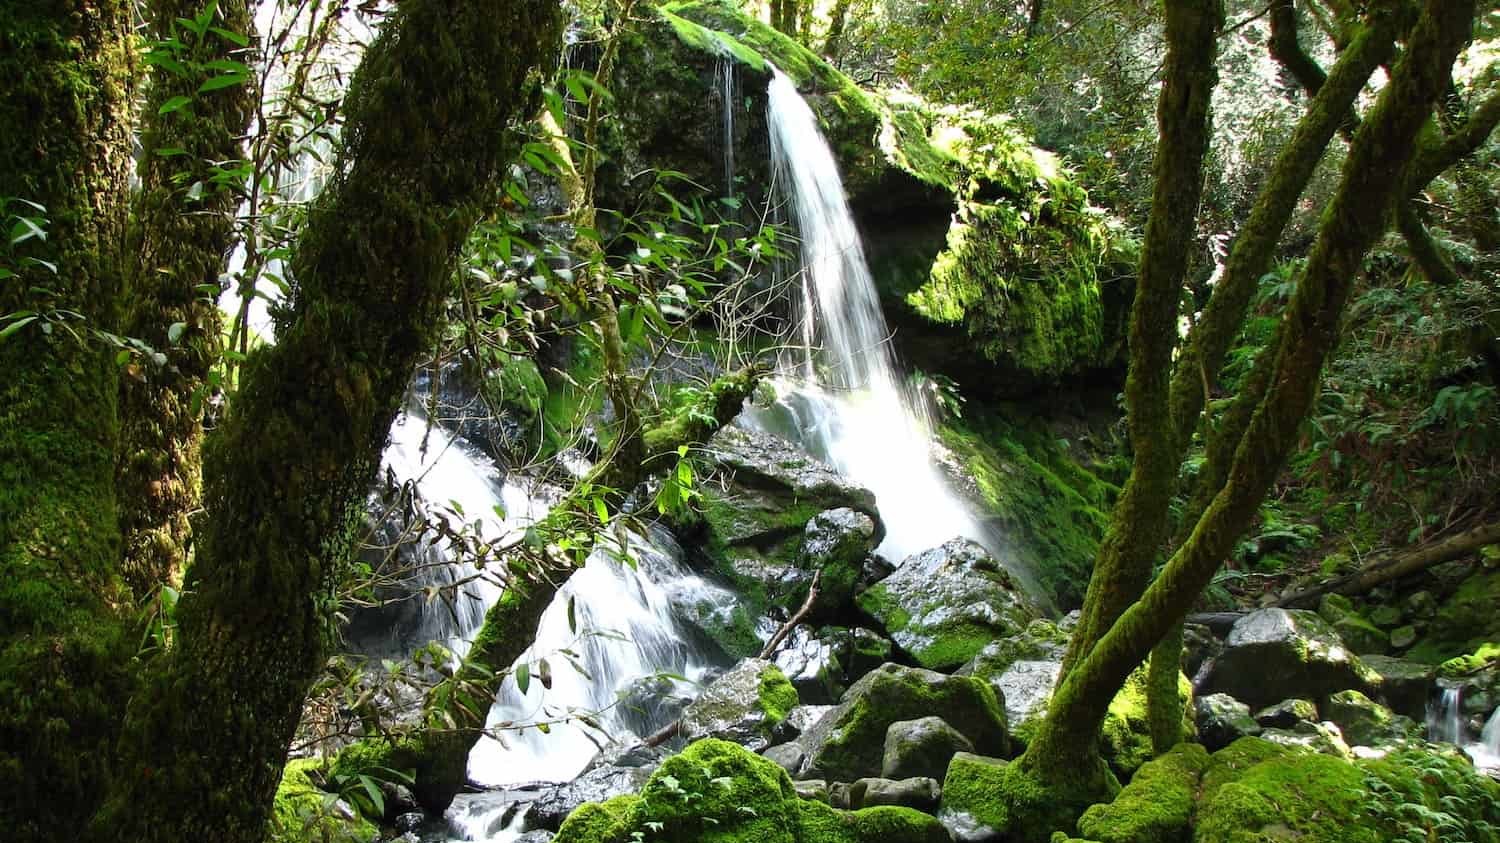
1396	565
786	628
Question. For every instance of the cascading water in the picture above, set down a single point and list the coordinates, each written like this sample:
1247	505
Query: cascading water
1445	724
844	400
1486	753
728	84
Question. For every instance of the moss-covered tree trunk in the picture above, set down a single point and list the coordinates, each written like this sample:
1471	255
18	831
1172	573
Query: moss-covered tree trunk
1138	526
183	229
66	70
428	130
1061	754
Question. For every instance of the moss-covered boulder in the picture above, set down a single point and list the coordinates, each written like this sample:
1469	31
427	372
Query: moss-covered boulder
1125	737
1222	720
1357	631
1404	684
1285	794
992	799
718	792
1464	622
1157	805
1275	654
1364	722
304	813
945	604
744	705
921	747
848	742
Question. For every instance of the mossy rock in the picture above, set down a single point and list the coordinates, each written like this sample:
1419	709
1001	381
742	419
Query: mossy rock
945	604
1157	805
599	822
848	743
990	796
303	813
744	705
1292	796
1464	622
1125	737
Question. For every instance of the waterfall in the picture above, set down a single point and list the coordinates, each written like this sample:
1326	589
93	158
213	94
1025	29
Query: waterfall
624	630
844	399
728	86
1486	753
1445	722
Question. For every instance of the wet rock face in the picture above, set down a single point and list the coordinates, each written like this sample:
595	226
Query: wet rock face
1275	654
822	664
945	604
1404	685
554	805
651	702
848	743
1027	686
742	706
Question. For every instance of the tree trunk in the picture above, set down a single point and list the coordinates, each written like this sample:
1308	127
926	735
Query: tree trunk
178	249
1396	565
1138	526
66	69
429	115
1355	218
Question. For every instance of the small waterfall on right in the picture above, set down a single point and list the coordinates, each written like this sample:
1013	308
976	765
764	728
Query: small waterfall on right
844	399
1446	724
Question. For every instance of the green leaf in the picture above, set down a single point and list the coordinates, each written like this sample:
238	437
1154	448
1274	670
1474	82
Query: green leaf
228	80
174	104
601	510
16	326
235	38
25	229
373	791
175	331
572	615
523	677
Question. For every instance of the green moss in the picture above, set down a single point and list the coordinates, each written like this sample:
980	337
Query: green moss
888	823
596	822
303	813
1464	622
574	393
1125	737
712	41
877	601
1291	796
1157	805
1005	797
716	792
1459	666
819	823
1055	508
776	695
1438	795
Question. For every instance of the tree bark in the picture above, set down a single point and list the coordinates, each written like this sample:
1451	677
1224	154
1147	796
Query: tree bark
429	118
67	72
1397	565
181	243
1138	525
1368	188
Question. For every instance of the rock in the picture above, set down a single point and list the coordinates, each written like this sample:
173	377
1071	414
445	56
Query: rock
1404	685
1222	720
1254	790
1042	640
1026	686
797	721
1355	630
635	754
1287	713
1361	720
602	783
651	702
410	821
1273	654
920	792
921	747
838	795
970	810
743	706
815	790
1386	616
1322	738
787	756
824	664
943	605
837	542
537	836
1199	646
1157	805
849	742
1403	637
1421	605
783	473
398	800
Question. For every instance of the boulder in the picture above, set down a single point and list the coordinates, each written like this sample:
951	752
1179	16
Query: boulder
837	542
921	747
1026	686
1404	685
1287	713
848	743
945	604
537	836
797	721
919	792
823	664
1222	720
1273	654
1322	738
1042	640
815	790
1157	805
742	706
1364	722
651	702
598	785
1403	637
1359	633
787	756
970	810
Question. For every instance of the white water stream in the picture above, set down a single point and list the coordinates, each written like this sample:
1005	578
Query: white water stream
1446	724
844	399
